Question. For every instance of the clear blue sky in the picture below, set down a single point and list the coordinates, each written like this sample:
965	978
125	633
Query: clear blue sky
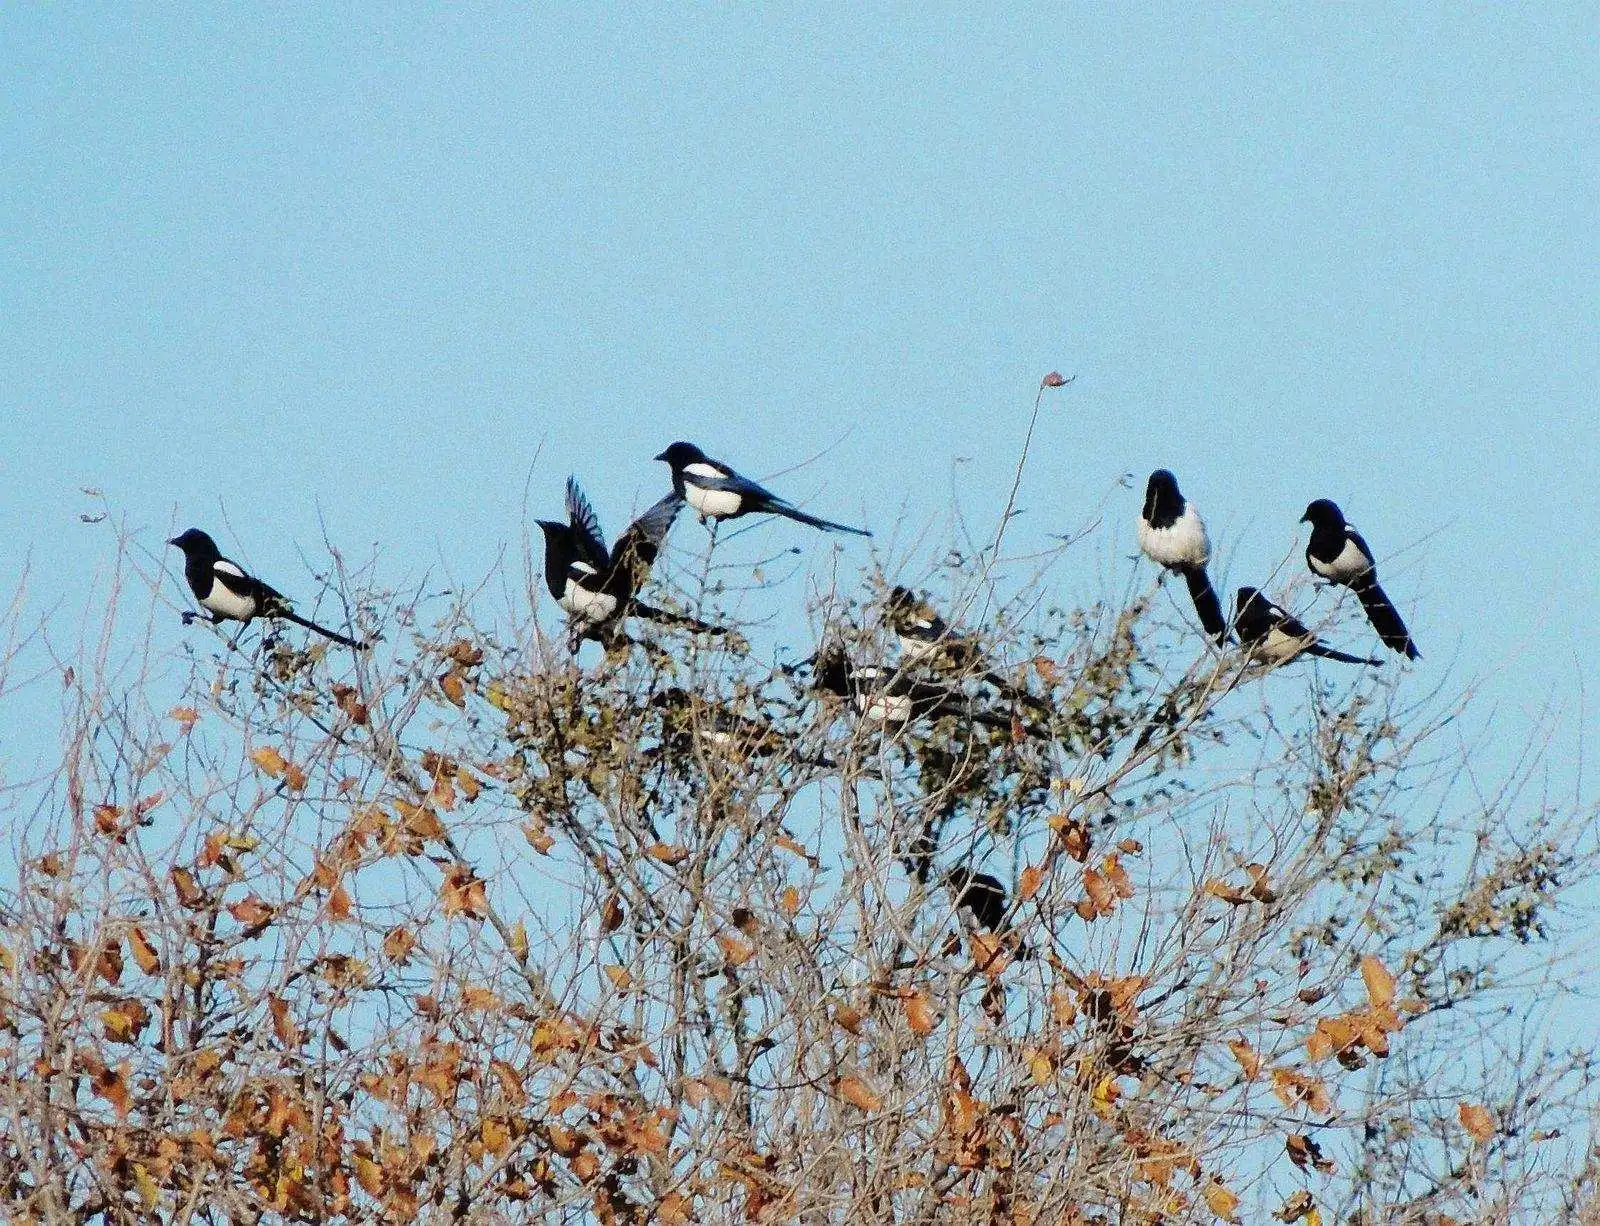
361	260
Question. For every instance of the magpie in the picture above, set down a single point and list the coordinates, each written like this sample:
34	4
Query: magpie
923	635
983	897
888	696
717	492
1173	536
1271	634
226	592
596	585
1337	552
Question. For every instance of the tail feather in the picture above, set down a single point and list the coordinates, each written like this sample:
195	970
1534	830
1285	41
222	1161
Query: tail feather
827	525
1206	603
650	613
1386	620
1329	653
290	615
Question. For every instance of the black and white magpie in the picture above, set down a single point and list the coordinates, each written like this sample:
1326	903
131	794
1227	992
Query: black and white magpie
1172	535
1336	552
226	592
1275	636
716	492
596	586
925	637
888	696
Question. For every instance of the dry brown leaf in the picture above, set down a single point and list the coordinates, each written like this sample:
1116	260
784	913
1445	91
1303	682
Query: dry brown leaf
454	687
1218	888
858	1093
1220	1201
269	761
667	853
1380	983
1477	1120
144	953
734	950
397	945
789	900
1246	1055
919	1014
1029	881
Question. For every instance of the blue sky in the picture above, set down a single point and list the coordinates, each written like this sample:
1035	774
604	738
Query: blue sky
372	268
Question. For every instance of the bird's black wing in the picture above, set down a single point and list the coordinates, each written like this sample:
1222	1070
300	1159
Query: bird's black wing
587	539
234	577
638	547
1360	542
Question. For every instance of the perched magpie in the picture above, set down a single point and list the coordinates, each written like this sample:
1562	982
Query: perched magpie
1271	634
1172	535
226	592
717	492
925	636
1337	552
983	897
888	696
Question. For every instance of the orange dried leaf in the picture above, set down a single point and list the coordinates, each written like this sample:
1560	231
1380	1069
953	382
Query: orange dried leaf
1477	1120
919	1014
789	900
855	1091
187	889
269	761
250	911
283	1023
735	951
454	687
339	903
398	944
1029	881
187	716
620	976
1219	888
1246	1055
1220	1201
668	853
1380	983
144	953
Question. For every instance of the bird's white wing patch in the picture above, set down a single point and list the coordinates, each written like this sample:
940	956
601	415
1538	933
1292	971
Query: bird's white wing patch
224	567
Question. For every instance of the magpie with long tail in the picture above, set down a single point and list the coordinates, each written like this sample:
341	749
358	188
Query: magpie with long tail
925	637
1173	536
1338	553
1273	635
598	587
889	696
228	593
716	492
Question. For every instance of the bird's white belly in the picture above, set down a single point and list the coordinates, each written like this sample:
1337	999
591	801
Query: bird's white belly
1182	544
227	603
588	606
1279	647
1350	564
885	708
713	504
914	649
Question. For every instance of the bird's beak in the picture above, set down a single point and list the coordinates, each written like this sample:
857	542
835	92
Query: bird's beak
791	669
662	457
1305	519
173	541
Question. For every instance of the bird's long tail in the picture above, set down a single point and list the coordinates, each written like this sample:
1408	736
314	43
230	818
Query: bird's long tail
1328	653
291	615
1386	620
650	613
1206	603
827	525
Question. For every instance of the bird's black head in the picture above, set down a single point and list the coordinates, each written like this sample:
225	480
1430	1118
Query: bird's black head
196	544
901	598
681	453
1324	513
1245	597
1163	502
